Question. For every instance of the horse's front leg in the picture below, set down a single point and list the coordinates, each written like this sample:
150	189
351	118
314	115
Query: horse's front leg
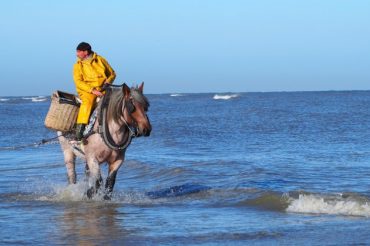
111	179
95	178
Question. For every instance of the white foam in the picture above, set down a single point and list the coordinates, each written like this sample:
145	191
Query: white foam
175	95
317	204
225	97
4	99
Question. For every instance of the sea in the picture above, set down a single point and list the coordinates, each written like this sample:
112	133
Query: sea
252	168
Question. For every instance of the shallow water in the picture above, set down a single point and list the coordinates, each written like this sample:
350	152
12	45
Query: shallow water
286	168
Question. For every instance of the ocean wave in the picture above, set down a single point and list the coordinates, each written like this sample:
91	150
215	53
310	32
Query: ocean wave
308	203
266	200
225	97
336	205
176	95
175	191
4	99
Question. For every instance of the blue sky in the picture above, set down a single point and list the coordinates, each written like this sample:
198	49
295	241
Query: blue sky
189	46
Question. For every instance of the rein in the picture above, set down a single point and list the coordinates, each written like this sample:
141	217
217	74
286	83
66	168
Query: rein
37	144
103	124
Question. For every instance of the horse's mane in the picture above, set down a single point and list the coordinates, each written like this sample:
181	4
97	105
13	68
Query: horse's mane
117	99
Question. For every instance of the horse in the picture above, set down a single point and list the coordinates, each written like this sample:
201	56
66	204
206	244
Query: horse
122	115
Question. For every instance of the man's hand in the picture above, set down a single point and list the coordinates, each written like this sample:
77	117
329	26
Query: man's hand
97	93
105	86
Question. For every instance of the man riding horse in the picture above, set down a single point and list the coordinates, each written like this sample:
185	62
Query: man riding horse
90	73
122	115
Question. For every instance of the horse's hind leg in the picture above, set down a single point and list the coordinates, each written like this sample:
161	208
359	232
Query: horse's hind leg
69	159
111	179
95	179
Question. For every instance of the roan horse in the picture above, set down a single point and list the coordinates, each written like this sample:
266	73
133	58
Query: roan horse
121	116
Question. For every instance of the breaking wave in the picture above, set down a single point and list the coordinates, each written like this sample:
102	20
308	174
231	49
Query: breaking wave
308	203
4	99
176	95
336	205
225	97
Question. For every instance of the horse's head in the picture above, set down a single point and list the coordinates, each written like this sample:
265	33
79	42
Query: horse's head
136	107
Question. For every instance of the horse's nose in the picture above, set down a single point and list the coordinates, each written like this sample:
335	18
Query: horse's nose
146	132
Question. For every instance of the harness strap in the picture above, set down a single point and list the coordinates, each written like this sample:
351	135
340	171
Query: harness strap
103	125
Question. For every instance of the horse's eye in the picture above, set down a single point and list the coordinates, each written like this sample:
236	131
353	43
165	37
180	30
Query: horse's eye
131	106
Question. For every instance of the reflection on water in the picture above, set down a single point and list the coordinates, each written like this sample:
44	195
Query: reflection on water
91	223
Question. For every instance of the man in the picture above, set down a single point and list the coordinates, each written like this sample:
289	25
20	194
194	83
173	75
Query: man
90	73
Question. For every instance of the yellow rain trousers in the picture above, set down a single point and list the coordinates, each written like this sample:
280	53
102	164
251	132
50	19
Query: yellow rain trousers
88	74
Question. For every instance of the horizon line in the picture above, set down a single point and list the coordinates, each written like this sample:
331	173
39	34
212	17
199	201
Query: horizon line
219	92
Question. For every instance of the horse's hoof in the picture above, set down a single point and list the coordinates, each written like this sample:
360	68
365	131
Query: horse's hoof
90	193
107	197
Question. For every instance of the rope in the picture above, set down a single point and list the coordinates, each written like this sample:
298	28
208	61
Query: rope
37	144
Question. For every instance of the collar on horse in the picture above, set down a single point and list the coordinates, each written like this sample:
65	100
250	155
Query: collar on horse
103	124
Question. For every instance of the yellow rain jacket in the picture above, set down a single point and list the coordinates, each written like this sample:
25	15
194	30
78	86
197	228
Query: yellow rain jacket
88	74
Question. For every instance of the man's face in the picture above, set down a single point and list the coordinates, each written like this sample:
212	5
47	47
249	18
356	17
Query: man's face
82	54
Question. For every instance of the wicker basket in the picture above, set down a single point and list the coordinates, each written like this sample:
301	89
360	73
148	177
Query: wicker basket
63	112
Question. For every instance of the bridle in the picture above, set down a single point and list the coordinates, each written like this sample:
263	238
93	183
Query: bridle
103	123
129	105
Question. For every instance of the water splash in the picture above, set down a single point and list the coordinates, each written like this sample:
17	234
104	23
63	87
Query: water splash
73	192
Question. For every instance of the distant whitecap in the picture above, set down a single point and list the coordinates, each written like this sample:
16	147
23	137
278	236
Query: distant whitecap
35	99
38	99
225	97
4	99
175	95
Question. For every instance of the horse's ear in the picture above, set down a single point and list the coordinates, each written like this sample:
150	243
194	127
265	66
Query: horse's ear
126	90
141	87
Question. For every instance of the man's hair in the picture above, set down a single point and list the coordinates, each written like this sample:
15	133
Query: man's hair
83	46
